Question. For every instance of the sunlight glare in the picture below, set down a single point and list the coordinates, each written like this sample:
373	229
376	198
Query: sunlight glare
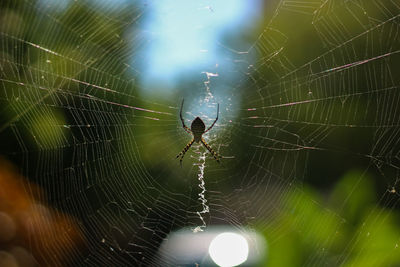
229	249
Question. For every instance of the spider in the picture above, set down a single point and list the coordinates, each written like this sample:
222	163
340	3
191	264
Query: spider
197	129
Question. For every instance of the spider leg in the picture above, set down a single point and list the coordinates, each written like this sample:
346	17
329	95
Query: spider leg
182	154
215	154
212	125
183	122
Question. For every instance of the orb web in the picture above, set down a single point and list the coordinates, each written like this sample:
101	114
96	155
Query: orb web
78	122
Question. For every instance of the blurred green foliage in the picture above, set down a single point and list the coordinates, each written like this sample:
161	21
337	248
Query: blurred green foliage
344	227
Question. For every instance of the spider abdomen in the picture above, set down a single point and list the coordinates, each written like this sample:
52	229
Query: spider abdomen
198	127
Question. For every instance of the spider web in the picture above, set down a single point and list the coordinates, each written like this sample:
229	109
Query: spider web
315	83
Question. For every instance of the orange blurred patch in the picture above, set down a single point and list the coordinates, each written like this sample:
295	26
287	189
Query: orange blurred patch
51	236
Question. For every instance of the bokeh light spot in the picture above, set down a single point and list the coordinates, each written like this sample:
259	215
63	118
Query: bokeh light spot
229	249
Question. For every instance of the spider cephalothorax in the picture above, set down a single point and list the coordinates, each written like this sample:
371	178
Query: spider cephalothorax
197	129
